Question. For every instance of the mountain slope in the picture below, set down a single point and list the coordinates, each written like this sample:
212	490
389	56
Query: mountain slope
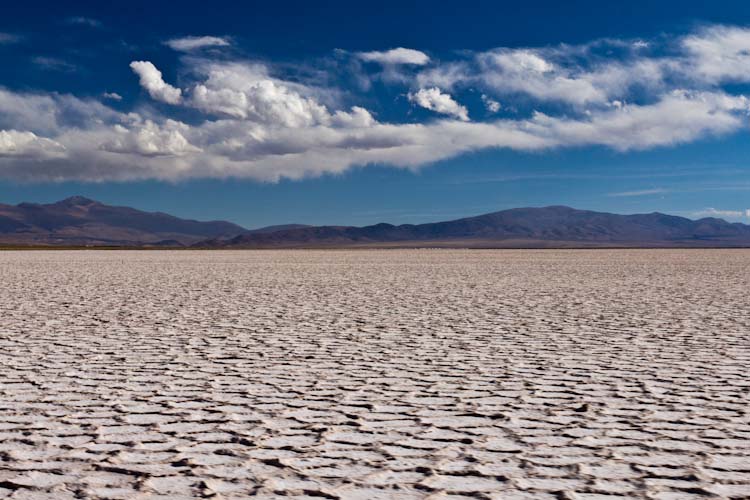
521	227
81	221
279	227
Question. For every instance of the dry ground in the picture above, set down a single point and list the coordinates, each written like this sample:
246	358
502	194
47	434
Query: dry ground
375	374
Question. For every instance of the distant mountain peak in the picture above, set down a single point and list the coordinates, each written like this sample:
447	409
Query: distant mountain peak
77	201
78	220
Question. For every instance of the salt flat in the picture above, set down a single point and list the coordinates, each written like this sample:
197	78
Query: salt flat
375	374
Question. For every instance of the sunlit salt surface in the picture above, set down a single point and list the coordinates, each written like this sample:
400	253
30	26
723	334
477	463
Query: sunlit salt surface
375	374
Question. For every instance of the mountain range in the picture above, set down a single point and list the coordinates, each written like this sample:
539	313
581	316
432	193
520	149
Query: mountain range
79	221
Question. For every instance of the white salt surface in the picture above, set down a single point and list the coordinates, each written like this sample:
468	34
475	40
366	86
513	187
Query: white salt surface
375	374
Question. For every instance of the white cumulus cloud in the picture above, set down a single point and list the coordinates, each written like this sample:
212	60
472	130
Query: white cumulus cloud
491	104
248	92
263	101
146	138
717	54
152	81
399	55
435	100
19	144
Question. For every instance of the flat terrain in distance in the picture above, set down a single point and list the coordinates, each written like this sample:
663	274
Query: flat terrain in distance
370	374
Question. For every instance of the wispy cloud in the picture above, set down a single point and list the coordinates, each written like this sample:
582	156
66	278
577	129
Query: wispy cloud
8	38
581	76
641	192
722	213
84	21
193	43
54	64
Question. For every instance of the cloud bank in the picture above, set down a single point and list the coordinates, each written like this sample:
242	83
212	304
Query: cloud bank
232	117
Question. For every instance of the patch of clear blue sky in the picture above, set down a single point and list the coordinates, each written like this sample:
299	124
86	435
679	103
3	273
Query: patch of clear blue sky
681	180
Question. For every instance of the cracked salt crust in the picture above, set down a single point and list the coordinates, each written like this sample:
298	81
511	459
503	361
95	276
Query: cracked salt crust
410	374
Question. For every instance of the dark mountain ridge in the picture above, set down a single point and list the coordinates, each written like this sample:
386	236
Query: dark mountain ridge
520	227
82	221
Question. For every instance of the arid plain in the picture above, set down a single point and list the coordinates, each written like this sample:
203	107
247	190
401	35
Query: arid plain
375	374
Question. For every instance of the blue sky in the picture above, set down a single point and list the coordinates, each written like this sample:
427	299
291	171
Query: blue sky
401	112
